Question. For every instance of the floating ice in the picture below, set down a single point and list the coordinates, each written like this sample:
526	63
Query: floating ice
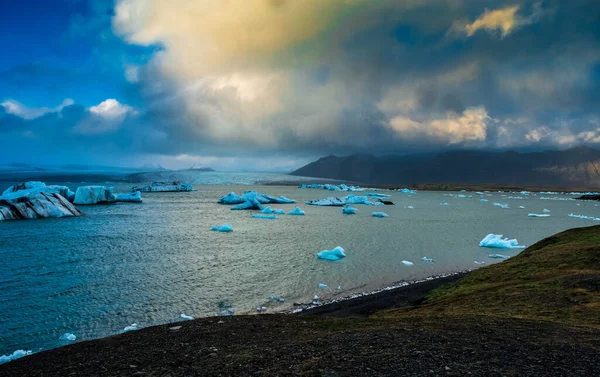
94	195
335	254
252	200
584	217
33	204
483	200
265	217
407	191
13	356
135	197
465	196
407	263
349	210
377	195
315	300
276	299
444	204
410	207
186	317
68	337
501	205
329	201
329	187
379	214
132	327
538	215
261	309
496	241
36	186
225	228
165	186
427	260
498	256
267	210
521	207
322	286
297	212
479	262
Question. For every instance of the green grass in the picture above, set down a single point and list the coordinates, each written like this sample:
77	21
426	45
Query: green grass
556	279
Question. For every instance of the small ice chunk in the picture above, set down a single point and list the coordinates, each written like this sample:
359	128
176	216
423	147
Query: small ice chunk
297	212
444	204
266	217
267	210
13	356
496	241
349	210
546	210
380	214
407	263
483	200
315	300
68	337
427	260
498	256
521	207
538	215
479	262
186	317
410	207
276	299
333	255
225	228
261	309
501	205
322	286
132	327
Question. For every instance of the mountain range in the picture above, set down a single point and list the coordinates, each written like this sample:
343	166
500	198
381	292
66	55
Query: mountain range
578	166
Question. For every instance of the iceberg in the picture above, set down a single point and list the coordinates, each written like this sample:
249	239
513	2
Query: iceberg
249	204
407	263
349	210
322	286
496	241
333	255
407	191
186	317
231	198
36	186
465	196
297	212
33	204
521	207
538	215
498	256
276	299
377	195
483	200
133	197
501	205
427	260
225	228
379	214
266	217
68	337
132	327
267	210
252	200
546	210
315	300
13	356
94	195
444	204
329	201
410	207
165	186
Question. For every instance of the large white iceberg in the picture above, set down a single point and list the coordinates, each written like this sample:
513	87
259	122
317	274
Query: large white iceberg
297	212
165	186
380	214
135	197
13	356
33	204
94	195
225	228
36	186
333	255
496	241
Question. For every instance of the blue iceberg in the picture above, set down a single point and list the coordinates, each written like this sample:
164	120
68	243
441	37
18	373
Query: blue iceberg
252	200
379	214
68	337
266	217
297	212
496	241
267	210
225	228
335	254
349	210
427	260
322	286
13	356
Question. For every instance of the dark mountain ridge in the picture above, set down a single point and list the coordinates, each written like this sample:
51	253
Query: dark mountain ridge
573	167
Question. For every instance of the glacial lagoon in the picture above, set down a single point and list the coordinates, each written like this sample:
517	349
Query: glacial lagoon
149	263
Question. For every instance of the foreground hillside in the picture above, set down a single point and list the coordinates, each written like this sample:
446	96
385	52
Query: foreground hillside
574	167
536	314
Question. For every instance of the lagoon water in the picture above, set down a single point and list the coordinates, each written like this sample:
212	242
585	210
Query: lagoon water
148	263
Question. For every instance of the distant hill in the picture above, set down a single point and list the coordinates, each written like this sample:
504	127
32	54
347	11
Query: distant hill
200	168
574	167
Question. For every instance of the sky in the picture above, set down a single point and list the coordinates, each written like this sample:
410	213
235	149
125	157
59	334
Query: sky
274	84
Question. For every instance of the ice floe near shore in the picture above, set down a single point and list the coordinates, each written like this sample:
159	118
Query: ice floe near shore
225	228
496	241
33	204
165	186
68	337
13	356
297	212
333	255
379	214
